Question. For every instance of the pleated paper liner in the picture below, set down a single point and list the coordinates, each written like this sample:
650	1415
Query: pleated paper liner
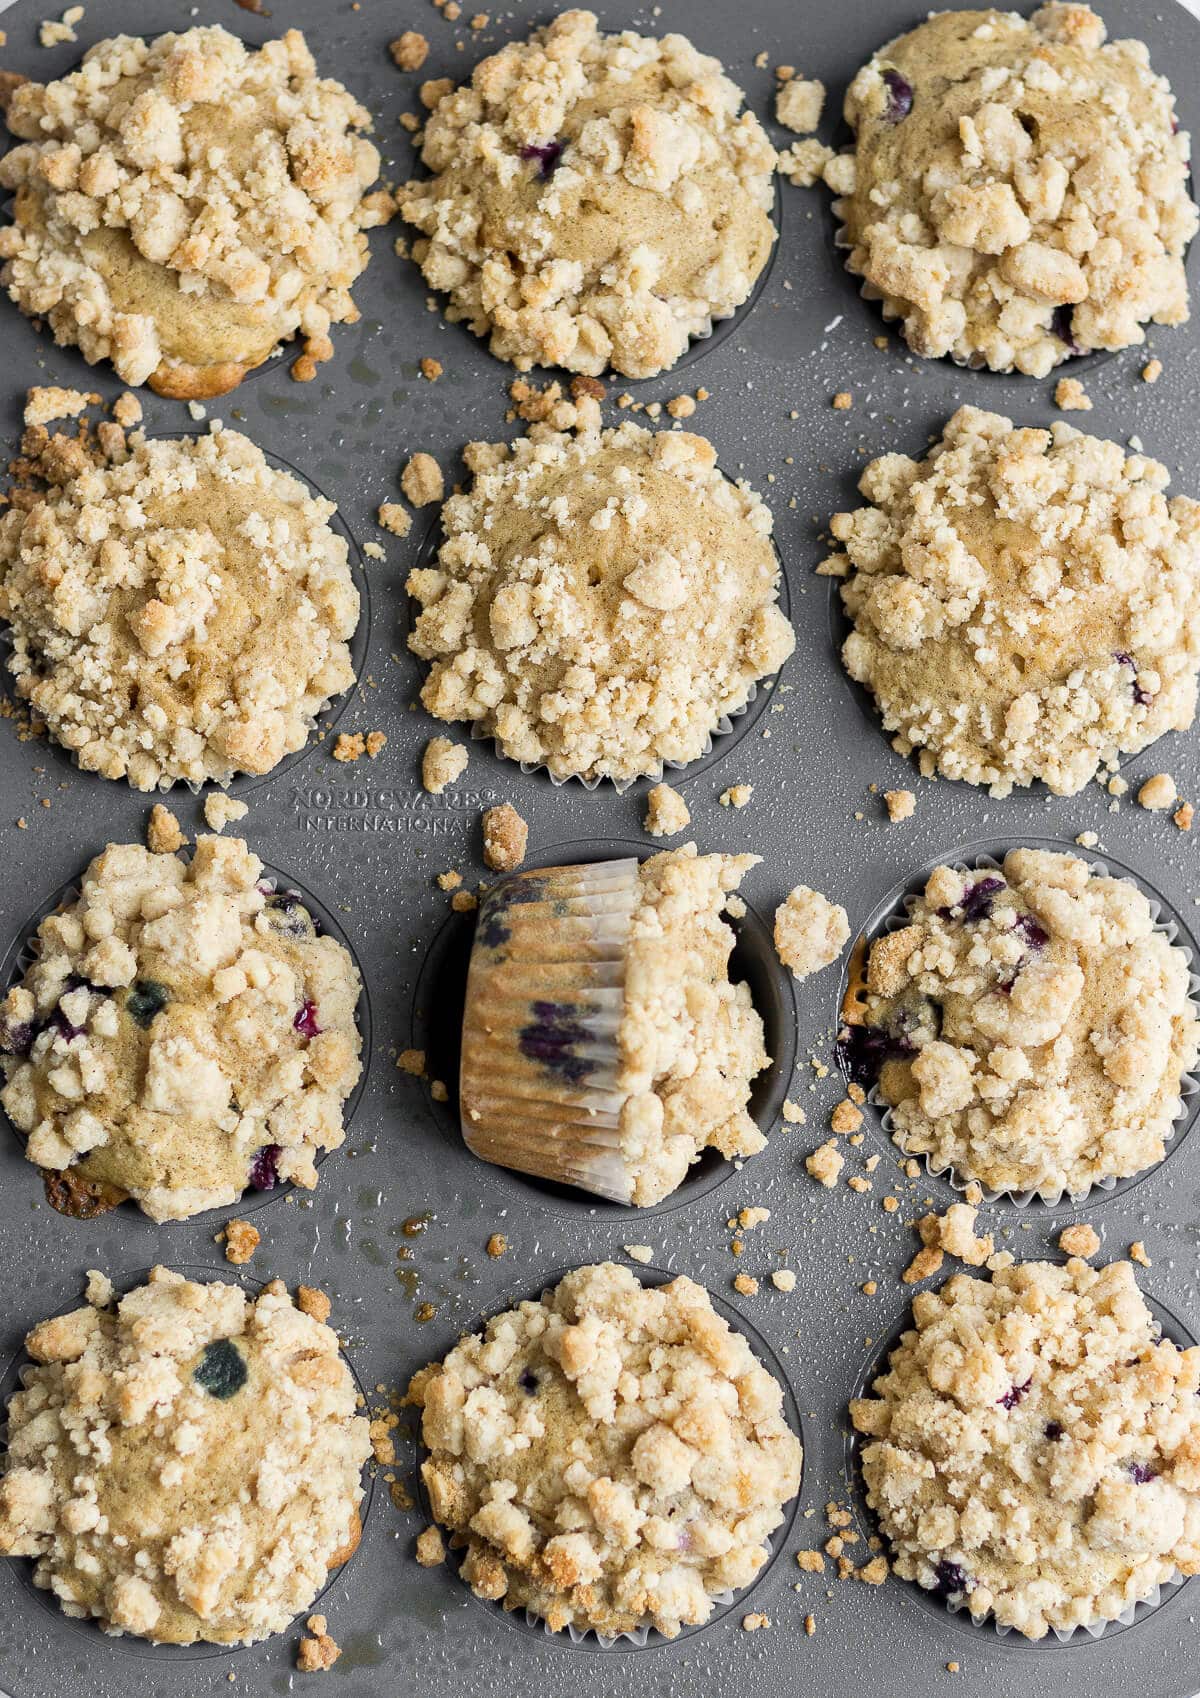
538	1088
957	1609
894	915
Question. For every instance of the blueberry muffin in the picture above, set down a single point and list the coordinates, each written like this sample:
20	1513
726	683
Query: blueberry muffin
180	613
184	1463
183	1032
184	204
601	601
1025	603
611	1457
1032	1451
1018	189
1028	1026
594	200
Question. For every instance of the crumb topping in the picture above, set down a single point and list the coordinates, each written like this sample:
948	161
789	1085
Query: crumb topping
1026	603
611	1456
810	931
183	1033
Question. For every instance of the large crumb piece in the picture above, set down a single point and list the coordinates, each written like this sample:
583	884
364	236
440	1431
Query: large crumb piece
666	812
394	518
221	810
1071	397
409	51
901	804
240	1239
798	105
810	931
924	1265
954	1232
1079	1240
422	481
164	834
1157	792
44	404
505	836
825	1164
431	1548
318	1652
443	762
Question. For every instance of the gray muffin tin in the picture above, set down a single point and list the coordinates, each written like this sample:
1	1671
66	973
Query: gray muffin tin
368	842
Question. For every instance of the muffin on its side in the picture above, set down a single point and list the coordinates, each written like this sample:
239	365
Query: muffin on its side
604	1045
184	204
613	1456
182	1034
184	1462
596	200
1025	603
1018	192
1033	1448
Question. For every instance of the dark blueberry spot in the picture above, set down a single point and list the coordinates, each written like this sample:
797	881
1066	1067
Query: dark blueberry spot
287	915
512	893
1141	696
1141	1473
952	1580
1034	936
1054	1431
146	998
861	1051
264	1169
1062	323
547	155
16	1036
221	1372
1014	1394
977	900
551	1037
899	96
306	1021
528	1380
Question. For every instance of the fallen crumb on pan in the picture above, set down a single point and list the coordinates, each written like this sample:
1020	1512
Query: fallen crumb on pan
954	1233
421	480
1152	371
736	796
666	812
901	804
394	518
52	32
431	369
843	401
825	1163
925	1263
1137	1253
1183	816
1079	1240
798	104
639	1252
868	1288
127	410
747	1219
240	1239
803	164
412	1061
451	879
496	1245
464	901
846	1117
751	1623
681	406
312	1301
221	810
431	1549
164	834
505	836
1157	792
318	1652
443	761
810	1562
43	404
793	1113
783	1279
810	1625
438	1091
1071	396
409	51
810	931
745	1285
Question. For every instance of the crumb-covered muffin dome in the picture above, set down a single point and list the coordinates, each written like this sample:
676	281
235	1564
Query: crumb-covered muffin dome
183	1032
1030	1027
1018	191
185	203
596	200
601	600
1026	603
1033	1449
613	1456
184	1463
180	613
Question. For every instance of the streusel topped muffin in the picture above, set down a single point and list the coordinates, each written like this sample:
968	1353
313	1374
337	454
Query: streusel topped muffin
182	612
183	1032
613	1456
601	600
1018	192
1026	603
1030	1027
1033	1448
183	204
184	1464
596	200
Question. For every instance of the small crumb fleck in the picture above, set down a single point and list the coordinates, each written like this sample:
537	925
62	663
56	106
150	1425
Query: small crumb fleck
745	1285
505	837
431	369
753	1622
846	1117
1137	1253
421	481
1183	816
240	1239
639	1253
825	1164
1079	1240
394	518
926	1262
350	746
793	1113
497	1244
312	1301
736	796
666	812
810	1562
430	1548
783	1279
412	1061
843	401
442	763
1152	371
438	1091
164	834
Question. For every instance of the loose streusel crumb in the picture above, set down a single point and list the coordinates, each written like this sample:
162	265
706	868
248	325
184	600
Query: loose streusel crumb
1079	1240
240	1239
1042	1400
901	804
431	369
642	1253
804	163
595	200
184	1033
954	1233
312	1301
349	747
409	51
184	204
412	1061
497	1245
127	410
163	1447
843	401
449	880
846	1117
464	901
1152	371
394	518
1010	618
601	601
1157	792
798	105
164	834
505	837
783	1279
793	1113
754	1621
1183	816
1071	396
745	1285
570	1439
688	1041
666	812
421	480
376	742
1137	1253
810	1562
736	796
810	931
442	764
221	810
1019	188
924	1265
317	1653
431	1549
1028	1026
825	1164
182	613
44	405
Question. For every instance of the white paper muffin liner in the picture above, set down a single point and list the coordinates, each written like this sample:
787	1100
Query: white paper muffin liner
1085	1630
1189	1083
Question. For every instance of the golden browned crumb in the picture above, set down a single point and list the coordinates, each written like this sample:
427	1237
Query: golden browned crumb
846	1117
449	880
394	518
682	407
810	931
825	1164
442	763
954	1233
164	835
464	901
1137	1253
505	836
431	369
1079	1240
1157	792
843	401
1071	396
320	1652
412	1061
745	1284
439	1092
925	1263
431	1549
409	51
310	1300
383	1445
736	796
1152	371
422	481
127	410
240	1239
751	1623
1183	816
811	1562
497	1244
666	812
350	746
901	804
